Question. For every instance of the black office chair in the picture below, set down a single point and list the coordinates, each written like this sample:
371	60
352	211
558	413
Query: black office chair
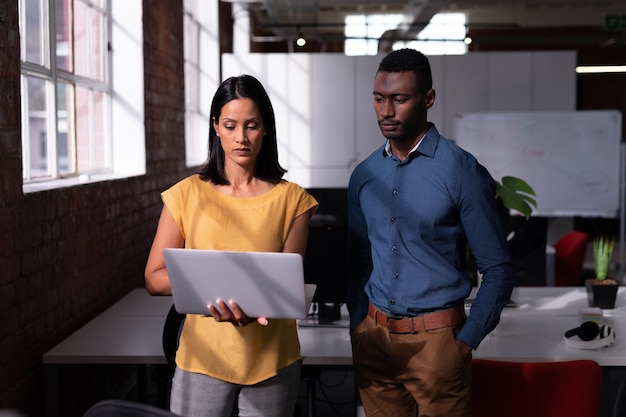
162	374
619	404
124	408
310	376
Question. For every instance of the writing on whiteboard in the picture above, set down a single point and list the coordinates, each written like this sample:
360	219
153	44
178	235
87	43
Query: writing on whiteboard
570	158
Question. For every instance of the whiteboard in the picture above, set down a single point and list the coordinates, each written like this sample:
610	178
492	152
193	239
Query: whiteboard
571	158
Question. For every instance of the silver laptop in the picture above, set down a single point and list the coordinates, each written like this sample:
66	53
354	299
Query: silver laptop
264	284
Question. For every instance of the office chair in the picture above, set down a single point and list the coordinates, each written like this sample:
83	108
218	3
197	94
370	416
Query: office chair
124	408
619	404
162	374
569	258
538	389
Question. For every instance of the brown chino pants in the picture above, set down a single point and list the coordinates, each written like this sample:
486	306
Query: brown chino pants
409	375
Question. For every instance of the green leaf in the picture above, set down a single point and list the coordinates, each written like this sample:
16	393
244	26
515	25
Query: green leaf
517	184
602	252
516	194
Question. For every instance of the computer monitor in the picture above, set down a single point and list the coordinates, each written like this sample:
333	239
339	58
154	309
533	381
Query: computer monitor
326	258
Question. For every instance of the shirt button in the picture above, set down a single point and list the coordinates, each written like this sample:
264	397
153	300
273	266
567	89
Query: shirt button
393	247
393	302
393	220
395	192
395	275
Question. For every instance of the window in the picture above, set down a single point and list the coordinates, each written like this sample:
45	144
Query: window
202	75
363	31
64	74
444	34
69	104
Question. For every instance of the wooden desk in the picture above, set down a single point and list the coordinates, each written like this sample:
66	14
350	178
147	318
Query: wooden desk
130	333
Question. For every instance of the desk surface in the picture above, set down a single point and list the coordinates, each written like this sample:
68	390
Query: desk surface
139	303
130	333
556	301
112	339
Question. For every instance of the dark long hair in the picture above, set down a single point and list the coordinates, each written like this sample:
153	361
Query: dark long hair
267	165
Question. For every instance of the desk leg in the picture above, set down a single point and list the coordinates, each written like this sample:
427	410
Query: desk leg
142	383
51	395
310	375
310	398
550	266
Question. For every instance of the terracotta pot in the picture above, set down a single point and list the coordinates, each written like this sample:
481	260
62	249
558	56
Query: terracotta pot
601	294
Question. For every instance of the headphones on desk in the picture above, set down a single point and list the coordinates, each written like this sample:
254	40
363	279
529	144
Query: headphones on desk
590	335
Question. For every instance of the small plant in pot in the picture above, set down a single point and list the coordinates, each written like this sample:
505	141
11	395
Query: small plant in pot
602	290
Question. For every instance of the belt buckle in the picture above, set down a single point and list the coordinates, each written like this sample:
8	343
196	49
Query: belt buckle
393	323
407	325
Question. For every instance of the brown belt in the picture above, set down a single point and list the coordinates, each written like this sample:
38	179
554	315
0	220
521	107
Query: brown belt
437	320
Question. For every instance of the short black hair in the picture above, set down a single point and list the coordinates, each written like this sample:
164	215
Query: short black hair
267	166
408	59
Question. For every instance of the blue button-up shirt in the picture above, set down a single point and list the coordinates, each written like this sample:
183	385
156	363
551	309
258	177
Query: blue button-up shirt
410	222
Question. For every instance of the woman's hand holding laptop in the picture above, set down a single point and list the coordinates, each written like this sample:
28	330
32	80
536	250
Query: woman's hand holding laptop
232	313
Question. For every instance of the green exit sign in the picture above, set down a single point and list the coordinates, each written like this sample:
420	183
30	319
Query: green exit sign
615	22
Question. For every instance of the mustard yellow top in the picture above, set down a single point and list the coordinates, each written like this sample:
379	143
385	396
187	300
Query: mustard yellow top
209	219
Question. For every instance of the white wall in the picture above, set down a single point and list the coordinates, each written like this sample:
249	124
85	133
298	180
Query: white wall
324	106
127	95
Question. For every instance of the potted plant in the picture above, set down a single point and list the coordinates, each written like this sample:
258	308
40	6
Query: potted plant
602	290
516	194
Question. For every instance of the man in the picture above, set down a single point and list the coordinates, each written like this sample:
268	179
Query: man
414	205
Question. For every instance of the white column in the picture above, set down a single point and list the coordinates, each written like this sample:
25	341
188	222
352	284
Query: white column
241	28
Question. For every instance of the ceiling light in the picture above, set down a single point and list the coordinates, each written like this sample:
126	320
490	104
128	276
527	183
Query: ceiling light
300	41
600	69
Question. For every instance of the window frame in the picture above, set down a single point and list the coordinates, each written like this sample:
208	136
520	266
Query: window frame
121	85
362	38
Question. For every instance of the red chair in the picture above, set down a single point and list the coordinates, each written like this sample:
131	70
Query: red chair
569	258
537	389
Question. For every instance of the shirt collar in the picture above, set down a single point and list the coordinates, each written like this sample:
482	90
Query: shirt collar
387	149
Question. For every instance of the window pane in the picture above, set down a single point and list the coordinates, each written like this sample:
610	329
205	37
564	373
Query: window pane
34	31
65	128
369	28
37	127
82	49
100	150
83	135
97	46
64	35
443	35
91	148
356	26
89	41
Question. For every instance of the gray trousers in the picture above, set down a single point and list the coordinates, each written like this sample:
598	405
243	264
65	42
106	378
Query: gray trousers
198	395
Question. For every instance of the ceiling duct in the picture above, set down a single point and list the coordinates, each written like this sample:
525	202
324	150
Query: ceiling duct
324	19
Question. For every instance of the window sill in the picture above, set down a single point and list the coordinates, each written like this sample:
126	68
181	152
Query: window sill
38	186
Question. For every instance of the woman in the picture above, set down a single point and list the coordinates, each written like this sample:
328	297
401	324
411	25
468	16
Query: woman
237	201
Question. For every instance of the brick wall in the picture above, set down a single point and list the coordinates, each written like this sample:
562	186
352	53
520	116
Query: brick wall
68	254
